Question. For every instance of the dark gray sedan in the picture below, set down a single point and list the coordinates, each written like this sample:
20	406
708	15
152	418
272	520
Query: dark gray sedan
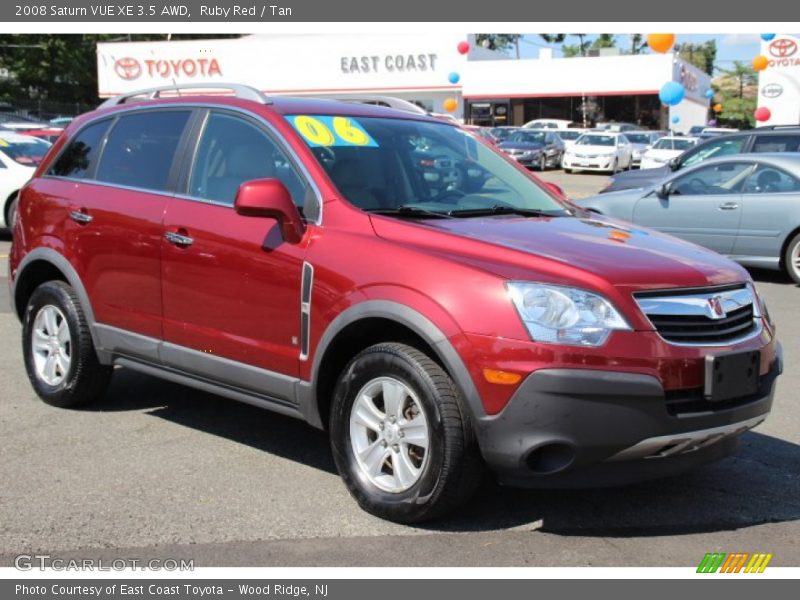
539	148
745	206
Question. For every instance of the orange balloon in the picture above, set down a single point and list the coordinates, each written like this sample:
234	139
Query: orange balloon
661	42
760	62
717	107
450	104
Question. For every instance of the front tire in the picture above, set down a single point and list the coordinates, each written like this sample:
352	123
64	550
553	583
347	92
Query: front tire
401	439
11	213
60	358
791	259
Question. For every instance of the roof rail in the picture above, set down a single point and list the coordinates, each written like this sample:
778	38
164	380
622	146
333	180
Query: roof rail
245	92
387	101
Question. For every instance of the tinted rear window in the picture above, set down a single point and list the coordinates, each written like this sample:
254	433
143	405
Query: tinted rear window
79	159
141	147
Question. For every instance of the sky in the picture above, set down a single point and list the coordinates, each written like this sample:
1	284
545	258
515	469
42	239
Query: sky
730	47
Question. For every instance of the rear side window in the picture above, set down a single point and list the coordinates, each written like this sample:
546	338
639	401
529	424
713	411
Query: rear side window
80	157
140	149
776	143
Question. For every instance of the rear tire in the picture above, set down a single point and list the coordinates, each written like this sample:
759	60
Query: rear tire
791	259
401	439
60	357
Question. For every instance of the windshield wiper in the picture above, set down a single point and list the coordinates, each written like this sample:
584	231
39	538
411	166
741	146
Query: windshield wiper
409	211
500	209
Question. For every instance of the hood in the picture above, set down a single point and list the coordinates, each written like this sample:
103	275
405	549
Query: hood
520	145
620	253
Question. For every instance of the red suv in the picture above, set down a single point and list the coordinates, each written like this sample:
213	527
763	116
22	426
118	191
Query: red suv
322	260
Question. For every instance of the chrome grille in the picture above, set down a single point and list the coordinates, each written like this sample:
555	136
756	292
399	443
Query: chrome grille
712	316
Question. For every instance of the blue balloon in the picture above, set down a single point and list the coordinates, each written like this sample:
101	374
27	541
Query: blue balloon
676	119
453	77
767	37
671	93
710	94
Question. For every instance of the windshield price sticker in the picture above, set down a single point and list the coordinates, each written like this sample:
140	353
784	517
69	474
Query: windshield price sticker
321	130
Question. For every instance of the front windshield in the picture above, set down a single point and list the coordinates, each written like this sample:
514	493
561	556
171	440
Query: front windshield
672	144
381	164
24	150
597	140
527	137
638	138
502	133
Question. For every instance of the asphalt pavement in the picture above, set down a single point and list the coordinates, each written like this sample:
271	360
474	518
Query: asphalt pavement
159	470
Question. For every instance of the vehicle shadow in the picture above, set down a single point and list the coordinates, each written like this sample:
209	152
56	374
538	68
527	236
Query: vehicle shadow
771	276
760	484
5	234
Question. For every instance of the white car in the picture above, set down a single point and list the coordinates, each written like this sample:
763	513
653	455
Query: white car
664	150
548	124
570	136
19	157
598	151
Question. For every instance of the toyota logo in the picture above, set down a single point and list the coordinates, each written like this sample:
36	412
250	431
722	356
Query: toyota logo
782	48
128	68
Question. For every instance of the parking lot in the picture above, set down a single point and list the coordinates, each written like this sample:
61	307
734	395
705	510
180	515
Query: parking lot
159	470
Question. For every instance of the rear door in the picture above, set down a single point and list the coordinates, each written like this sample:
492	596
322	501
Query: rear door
703	205
108	191
770	210
232	291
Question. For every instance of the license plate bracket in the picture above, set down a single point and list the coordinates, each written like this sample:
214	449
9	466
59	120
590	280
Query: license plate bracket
732	375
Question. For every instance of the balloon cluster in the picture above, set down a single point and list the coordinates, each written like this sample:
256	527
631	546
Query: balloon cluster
451	104
760	63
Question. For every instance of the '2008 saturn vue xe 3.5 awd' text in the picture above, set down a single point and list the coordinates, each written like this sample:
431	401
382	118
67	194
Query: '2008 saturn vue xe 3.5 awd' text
303	256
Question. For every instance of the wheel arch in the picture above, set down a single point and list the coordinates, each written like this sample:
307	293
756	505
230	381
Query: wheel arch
785	247
45	264
372	322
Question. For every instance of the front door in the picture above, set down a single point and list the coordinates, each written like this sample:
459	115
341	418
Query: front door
231	284
702	206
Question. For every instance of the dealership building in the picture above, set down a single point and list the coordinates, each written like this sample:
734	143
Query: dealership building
779	83
490	88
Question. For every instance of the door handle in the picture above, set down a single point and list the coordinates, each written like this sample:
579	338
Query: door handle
81	217
728	206
178	238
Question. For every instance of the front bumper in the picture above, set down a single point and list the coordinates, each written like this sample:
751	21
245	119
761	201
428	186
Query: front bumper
597	163
585	427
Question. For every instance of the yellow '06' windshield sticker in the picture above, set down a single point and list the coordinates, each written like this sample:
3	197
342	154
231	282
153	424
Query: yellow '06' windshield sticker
326	130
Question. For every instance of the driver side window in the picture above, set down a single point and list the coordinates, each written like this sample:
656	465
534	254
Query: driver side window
232	151
714	149
726	178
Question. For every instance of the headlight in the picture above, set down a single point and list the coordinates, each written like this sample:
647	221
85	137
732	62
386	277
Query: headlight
530	153
556	314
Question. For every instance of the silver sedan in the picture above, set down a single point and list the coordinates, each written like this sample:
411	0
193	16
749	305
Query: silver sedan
744	206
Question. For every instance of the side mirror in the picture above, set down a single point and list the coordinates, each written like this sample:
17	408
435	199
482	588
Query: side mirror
556	189
673	164
662	191
269	198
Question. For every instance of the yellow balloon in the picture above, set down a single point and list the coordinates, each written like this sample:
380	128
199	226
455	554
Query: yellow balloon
451	104
661	42
760	62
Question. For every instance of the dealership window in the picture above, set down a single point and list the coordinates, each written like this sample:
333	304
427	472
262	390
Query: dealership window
233	151
80	157
141	147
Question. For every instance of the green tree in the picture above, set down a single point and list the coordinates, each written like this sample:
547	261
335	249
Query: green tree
737	112
742	74
604	40
498	41
638	43
703	56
